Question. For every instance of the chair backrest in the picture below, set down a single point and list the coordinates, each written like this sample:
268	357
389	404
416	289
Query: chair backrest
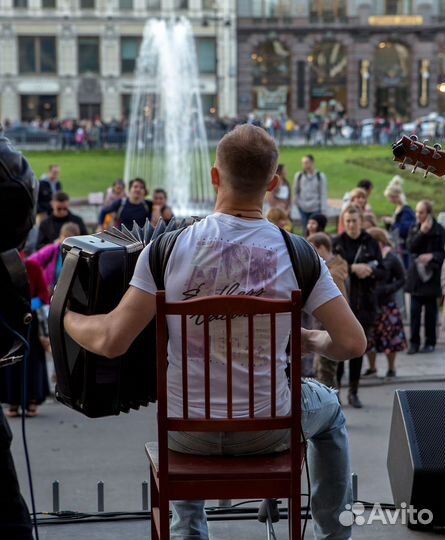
231	310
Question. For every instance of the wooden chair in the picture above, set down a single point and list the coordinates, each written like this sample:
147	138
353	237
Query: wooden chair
176	476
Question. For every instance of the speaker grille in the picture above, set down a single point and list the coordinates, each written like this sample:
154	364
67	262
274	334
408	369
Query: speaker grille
427	409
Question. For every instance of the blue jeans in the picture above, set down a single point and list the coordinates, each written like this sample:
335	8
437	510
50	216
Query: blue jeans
305	218
328	460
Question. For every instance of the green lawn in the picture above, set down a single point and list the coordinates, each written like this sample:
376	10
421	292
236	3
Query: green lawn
84	172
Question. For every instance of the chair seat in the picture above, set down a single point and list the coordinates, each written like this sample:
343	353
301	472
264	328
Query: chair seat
190	466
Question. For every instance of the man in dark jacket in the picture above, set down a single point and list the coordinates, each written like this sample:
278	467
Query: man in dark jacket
49	229
48	185
426	241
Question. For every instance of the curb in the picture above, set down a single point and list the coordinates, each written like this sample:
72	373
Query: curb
404	379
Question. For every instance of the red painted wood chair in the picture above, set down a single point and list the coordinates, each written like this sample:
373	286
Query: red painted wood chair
175	476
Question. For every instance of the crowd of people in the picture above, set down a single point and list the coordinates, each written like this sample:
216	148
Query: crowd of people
373	266
43	257
320	128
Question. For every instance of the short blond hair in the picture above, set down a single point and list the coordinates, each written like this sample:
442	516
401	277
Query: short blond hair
353	209
359	191
275	215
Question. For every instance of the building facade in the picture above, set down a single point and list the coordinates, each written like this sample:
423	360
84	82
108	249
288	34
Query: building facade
364	58
76	58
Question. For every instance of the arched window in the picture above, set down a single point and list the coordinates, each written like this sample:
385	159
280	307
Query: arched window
328	77
392	79
271	76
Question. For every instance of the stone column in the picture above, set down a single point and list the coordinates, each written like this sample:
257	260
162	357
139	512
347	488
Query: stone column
111	105
139	6
9	101
357	52
67	51
9	98
422	50
109	52
68	107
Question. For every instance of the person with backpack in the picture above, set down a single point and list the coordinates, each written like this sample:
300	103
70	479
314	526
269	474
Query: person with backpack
236	251
128	209
310	191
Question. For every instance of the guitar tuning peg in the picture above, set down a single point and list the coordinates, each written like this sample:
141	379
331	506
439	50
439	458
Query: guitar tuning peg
425	141
414	137
438	147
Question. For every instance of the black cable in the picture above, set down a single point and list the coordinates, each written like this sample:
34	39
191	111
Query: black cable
308	482
25	343
74	517
384	506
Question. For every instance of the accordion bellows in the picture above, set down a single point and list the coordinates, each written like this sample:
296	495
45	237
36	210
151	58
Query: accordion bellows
96	273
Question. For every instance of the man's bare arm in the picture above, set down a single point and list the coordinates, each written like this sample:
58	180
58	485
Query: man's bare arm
343	337
112	334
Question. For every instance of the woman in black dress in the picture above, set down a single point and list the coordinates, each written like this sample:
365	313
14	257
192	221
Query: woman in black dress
388	335
362	253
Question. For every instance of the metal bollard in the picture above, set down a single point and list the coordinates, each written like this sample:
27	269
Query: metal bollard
354	487
144	495
100	496
56	497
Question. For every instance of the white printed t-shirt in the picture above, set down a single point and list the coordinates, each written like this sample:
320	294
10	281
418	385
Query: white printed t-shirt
227	255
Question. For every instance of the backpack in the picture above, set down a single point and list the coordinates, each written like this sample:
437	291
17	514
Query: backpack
298	186
304	258
117	218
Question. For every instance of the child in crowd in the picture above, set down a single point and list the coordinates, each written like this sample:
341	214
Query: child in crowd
325	369
278	217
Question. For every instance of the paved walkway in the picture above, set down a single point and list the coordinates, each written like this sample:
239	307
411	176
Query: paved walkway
79	452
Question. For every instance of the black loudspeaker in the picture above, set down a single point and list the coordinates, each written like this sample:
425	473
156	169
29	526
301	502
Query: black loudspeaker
416	456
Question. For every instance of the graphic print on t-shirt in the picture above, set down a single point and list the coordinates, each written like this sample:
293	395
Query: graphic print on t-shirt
224	268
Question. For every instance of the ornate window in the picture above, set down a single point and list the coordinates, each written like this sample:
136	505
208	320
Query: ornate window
126	5
328	77
37	54
88	54
271	76
398	7
392	67
328	10
129	53
206	52
265	8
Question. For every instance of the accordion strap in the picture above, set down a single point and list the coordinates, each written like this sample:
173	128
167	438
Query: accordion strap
59	303
305	262
160	252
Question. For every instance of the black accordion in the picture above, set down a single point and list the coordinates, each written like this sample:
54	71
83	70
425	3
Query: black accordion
96	273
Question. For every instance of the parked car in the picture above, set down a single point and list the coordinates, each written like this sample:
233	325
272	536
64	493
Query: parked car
24	133
367	131
429	127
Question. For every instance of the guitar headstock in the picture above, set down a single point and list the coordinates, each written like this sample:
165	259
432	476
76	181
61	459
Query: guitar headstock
410	151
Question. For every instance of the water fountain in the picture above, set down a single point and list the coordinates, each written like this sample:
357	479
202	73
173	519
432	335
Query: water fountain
167	141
